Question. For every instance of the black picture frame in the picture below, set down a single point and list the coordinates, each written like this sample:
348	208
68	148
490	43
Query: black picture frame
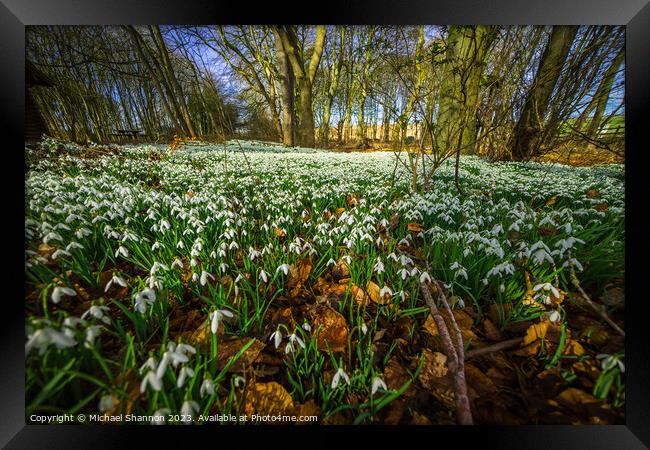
634	14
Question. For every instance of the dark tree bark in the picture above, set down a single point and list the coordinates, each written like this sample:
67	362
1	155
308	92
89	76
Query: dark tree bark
529	127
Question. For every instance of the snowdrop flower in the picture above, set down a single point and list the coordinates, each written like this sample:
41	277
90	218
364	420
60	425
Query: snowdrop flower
72	245
405	260
347	259
157	266
97	312
155	282
164	363
122	251
288	348
52	236
42	338
60	291
171	355
180	245
185	348
573	262
376	384
364	328
379	266
91	333
149	363
547	287
385	291
294	338
610	361
552	316
330	262
82	232
159	416
497	229
336	379
460	270
151	380
306	326
425	278
155	246
216	318
177	263
70	323
276	337
459	302
204	278
207	387
264	276
239	381
284	268
184	373
116	280
144	298
106	403
189	408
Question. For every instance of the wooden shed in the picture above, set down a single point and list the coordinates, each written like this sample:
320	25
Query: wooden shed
35	126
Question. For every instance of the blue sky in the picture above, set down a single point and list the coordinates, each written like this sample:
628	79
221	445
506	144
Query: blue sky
219	67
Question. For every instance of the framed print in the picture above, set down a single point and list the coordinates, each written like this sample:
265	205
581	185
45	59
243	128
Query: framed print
424	217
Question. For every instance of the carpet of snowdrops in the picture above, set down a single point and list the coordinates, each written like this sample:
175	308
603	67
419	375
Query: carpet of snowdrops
214	283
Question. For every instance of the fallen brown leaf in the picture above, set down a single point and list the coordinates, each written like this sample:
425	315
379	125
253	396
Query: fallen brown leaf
267	398
415	227
330	327
435	377
491	331
228	349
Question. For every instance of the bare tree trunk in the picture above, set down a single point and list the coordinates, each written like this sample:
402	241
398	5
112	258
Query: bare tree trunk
525	140
334	75
466	50
601	96
136	38
286	85
173	81
304	77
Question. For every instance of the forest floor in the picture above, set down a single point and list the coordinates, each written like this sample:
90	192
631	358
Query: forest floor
583	156
178	284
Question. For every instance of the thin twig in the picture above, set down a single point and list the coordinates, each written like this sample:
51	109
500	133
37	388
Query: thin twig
503	345
598	309
457	364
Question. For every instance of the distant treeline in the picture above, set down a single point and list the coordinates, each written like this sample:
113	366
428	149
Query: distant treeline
508	92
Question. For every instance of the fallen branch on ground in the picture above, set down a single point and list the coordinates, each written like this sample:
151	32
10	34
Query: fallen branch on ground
455	353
